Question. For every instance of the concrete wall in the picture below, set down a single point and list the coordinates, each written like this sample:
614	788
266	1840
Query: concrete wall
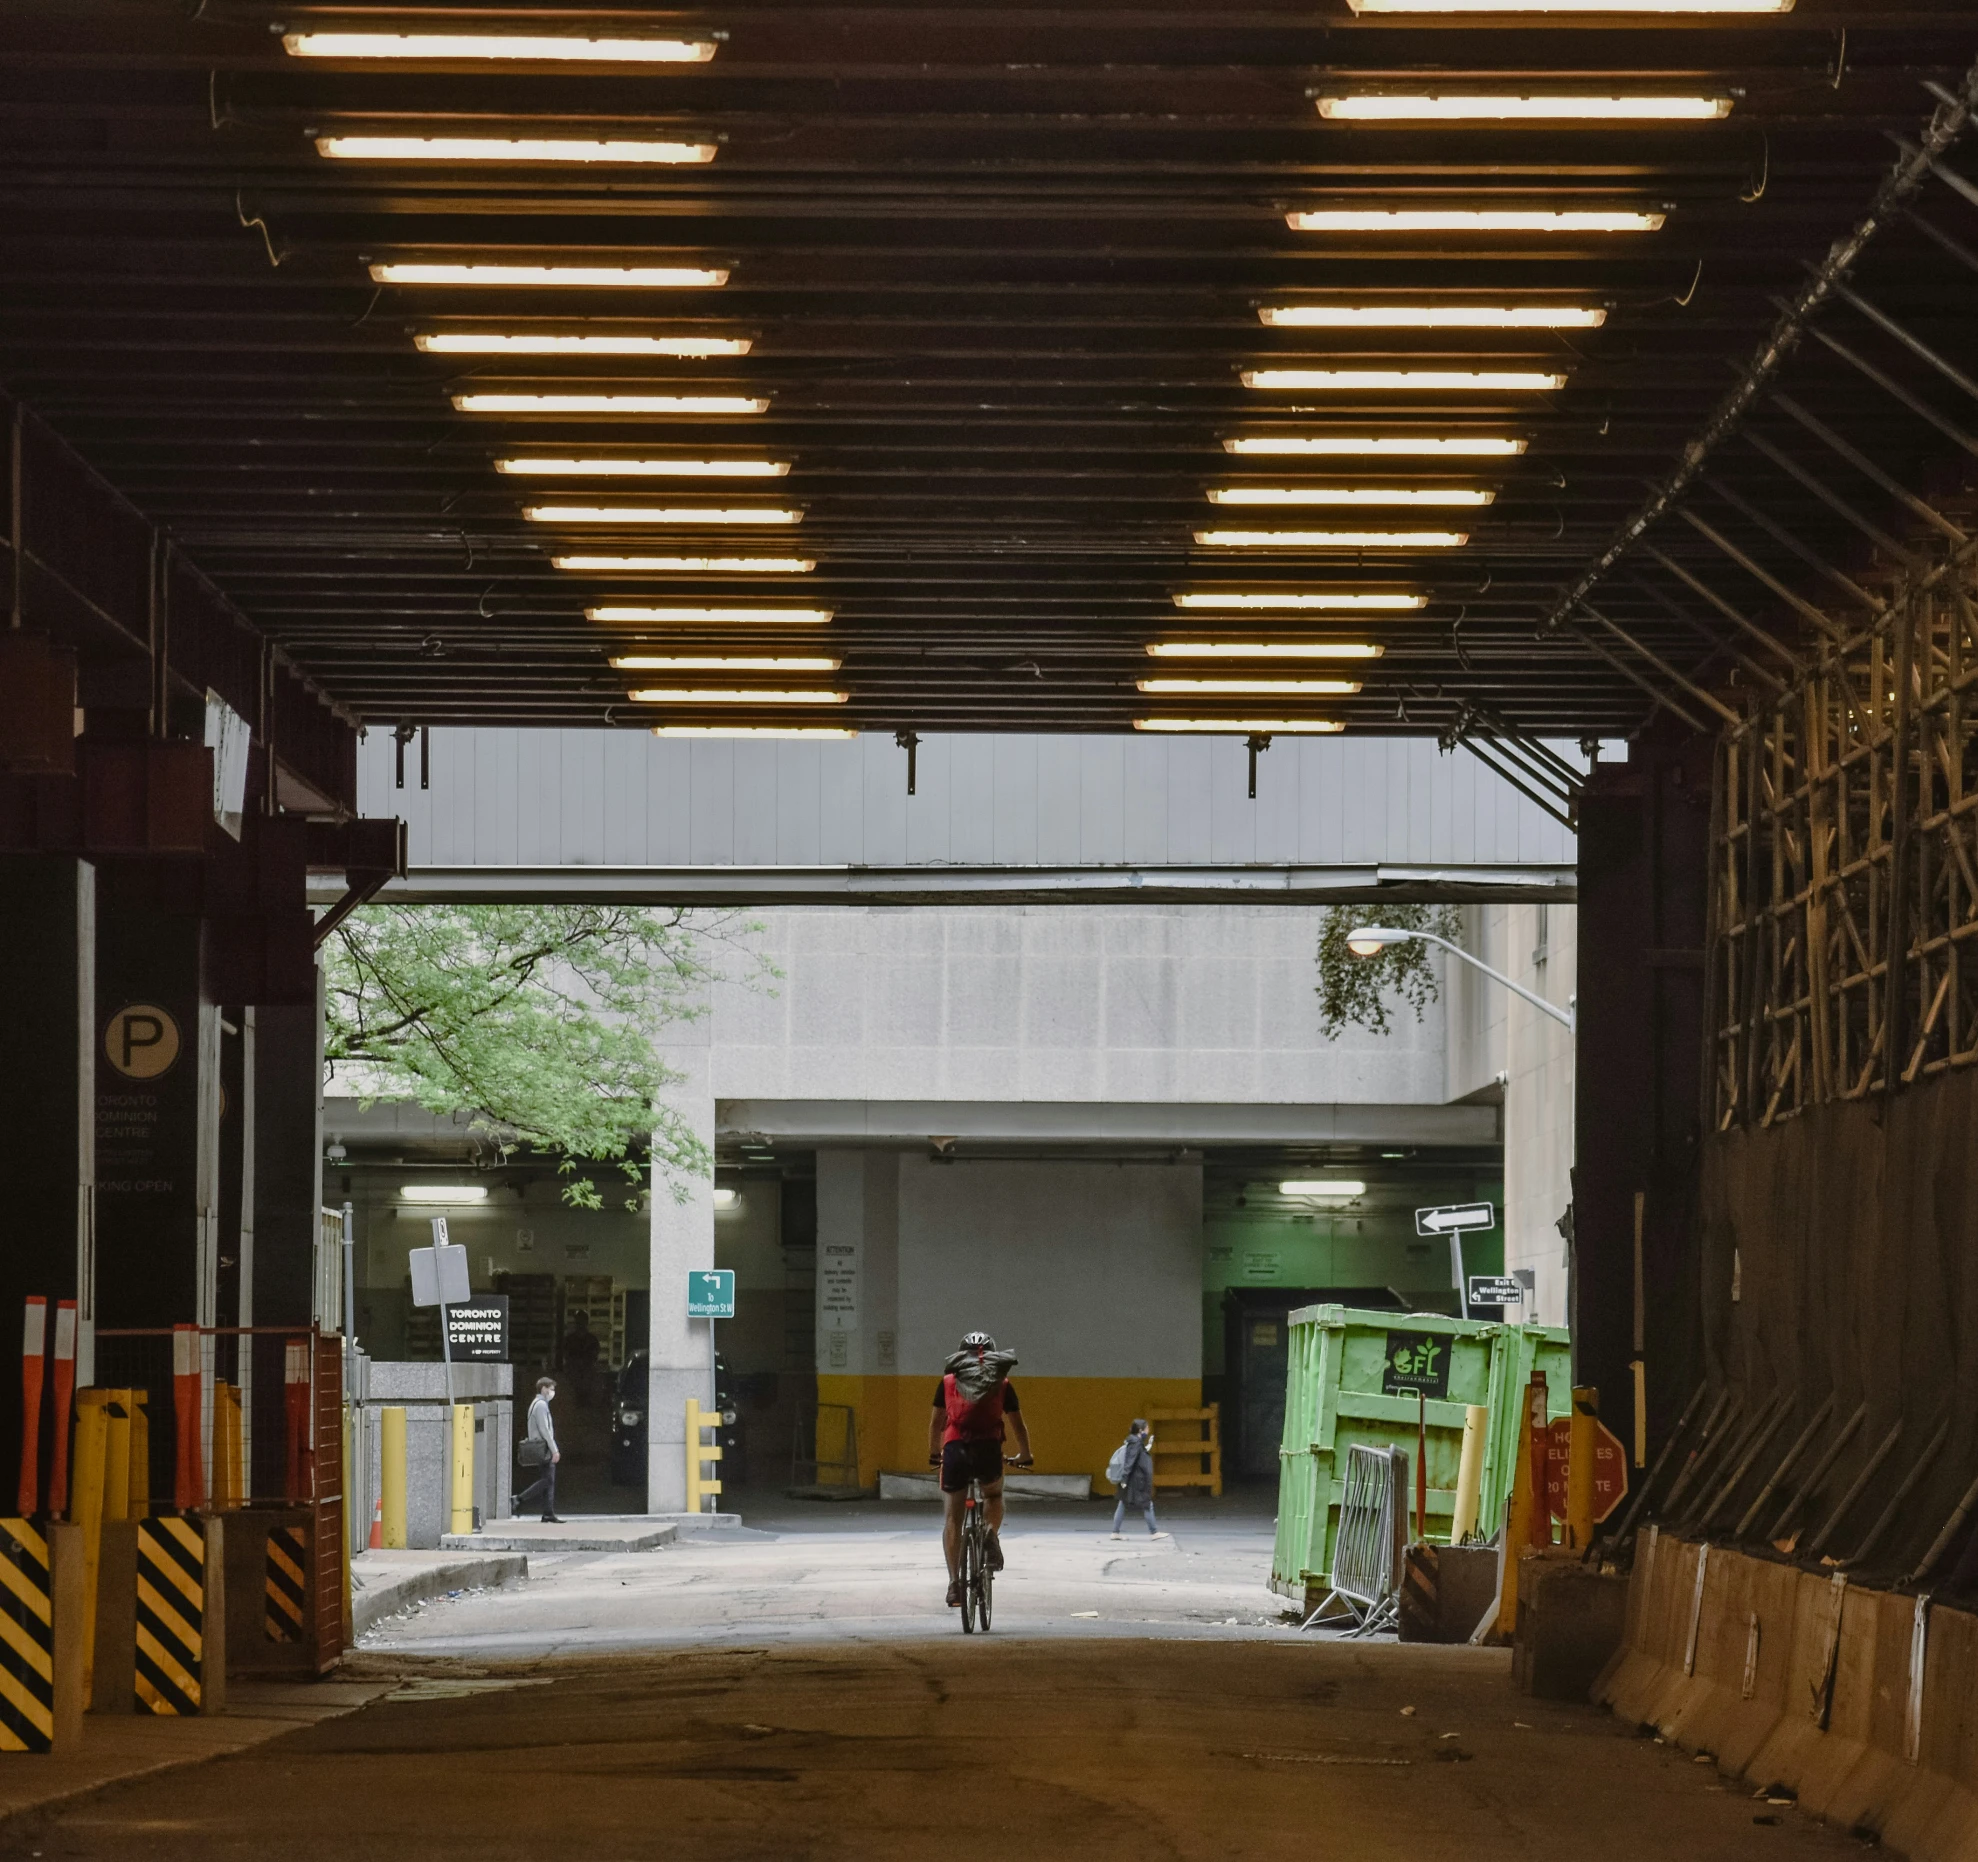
1091	1272
1183	1003
420	1390
625	798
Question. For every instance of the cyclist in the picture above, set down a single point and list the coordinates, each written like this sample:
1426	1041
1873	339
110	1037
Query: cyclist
973	1403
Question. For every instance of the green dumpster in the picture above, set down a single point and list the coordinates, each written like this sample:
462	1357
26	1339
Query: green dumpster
1354	1377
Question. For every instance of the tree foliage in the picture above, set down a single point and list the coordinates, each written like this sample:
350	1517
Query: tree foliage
543	1021
1360	991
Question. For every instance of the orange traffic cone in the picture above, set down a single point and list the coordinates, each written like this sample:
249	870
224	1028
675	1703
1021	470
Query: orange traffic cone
377	1540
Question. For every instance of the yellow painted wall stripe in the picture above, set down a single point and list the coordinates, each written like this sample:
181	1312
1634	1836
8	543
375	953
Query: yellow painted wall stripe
40	1714
188	1587
25	1646
166	1661
170	1615
23	1587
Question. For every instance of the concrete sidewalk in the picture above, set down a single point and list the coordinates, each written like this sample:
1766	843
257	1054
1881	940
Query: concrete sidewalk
116	1747
384	1583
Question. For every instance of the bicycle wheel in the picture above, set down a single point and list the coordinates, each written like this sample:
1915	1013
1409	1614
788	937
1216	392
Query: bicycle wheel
986	1580
971	1569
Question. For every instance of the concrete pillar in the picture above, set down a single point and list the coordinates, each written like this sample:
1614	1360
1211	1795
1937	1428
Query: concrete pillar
157	1101
47	1107
1638	1081
681	1364
288	1163
858	1278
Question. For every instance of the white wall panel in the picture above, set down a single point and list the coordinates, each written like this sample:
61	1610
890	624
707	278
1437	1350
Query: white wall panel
553	798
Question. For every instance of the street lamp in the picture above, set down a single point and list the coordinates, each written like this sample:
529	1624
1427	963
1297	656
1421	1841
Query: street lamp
1371	940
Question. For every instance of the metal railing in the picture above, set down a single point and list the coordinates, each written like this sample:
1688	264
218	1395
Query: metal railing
1366	1566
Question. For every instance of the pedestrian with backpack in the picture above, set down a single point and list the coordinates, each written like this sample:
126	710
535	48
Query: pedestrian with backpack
1131	1470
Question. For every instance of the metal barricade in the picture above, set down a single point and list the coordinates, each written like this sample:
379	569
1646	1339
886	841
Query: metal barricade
819	1430
1366	1569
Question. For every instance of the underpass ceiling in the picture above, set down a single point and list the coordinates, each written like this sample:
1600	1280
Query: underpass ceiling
999	274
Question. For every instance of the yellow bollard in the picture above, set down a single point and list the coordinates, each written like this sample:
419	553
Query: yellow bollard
697	1453
391	1478
139	1504
227	1490
1582	1441
86	1480
1469	1473
461	1497
117	1469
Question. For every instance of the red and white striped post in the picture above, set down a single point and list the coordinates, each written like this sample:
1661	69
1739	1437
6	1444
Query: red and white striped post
34	1347
189	1481
65	1392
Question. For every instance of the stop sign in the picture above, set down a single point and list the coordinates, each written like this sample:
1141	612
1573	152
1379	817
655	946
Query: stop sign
1610	1469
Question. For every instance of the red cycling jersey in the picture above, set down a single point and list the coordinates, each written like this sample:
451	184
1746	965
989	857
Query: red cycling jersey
980	1421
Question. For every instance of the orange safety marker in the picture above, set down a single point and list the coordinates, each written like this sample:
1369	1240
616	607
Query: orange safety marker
376	1542
65	1391
34	1347
295	1405
189	1481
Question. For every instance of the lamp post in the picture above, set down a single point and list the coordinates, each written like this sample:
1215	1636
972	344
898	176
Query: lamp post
1370	940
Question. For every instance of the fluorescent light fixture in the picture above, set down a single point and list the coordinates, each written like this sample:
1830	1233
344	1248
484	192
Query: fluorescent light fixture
1432	316
527	343
1376	446
1243	727
725	1198
1472	220
1349	494
1280	688
535	48
714	617
1333	539
1571	6
1508	107
609	404
443	1193
572	277
653	514
646	468
1266	601
751	730
508	149
1499	381
1261	649
709	695
686	565
707	662
1341	1187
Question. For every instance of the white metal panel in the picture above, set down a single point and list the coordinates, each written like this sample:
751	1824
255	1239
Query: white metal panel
550	798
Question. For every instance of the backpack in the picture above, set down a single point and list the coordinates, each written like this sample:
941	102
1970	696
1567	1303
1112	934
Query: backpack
1116	1468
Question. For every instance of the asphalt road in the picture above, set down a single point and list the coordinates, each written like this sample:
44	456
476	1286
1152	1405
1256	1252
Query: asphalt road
1009	1746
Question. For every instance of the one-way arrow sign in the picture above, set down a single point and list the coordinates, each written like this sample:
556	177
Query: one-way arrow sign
1455	1218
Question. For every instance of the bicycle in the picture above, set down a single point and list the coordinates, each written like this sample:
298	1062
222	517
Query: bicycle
978	1579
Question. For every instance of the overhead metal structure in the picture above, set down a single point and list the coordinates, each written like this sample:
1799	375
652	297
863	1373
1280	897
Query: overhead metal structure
1476	370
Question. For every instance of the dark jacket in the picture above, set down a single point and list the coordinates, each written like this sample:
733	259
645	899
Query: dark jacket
1137	1488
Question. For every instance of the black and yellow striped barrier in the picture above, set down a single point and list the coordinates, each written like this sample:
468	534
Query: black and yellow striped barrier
288	1583
171	1615
27	1640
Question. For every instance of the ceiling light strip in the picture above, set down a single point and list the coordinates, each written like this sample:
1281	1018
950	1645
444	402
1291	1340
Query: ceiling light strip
685	565
472	47
561	277
1245	727
1463	381
1472	220
1509	107
1333	539
510	149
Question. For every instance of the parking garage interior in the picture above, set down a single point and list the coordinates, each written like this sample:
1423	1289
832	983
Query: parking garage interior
1024	528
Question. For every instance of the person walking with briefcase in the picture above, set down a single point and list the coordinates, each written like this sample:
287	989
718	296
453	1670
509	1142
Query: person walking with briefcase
538	1449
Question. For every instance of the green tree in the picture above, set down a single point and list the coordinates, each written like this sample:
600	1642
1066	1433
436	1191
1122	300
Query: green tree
543	1021
1358	991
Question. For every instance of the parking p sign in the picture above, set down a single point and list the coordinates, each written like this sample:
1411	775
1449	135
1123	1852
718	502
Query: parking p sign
711	1293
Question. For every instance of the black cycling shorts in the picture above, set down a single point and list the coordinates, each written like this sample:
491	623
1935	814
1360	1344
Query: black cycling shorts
962	1462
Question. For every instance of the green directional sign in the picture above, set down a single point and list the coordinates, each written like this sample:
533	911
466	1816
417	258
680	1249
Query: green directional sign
711	1293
